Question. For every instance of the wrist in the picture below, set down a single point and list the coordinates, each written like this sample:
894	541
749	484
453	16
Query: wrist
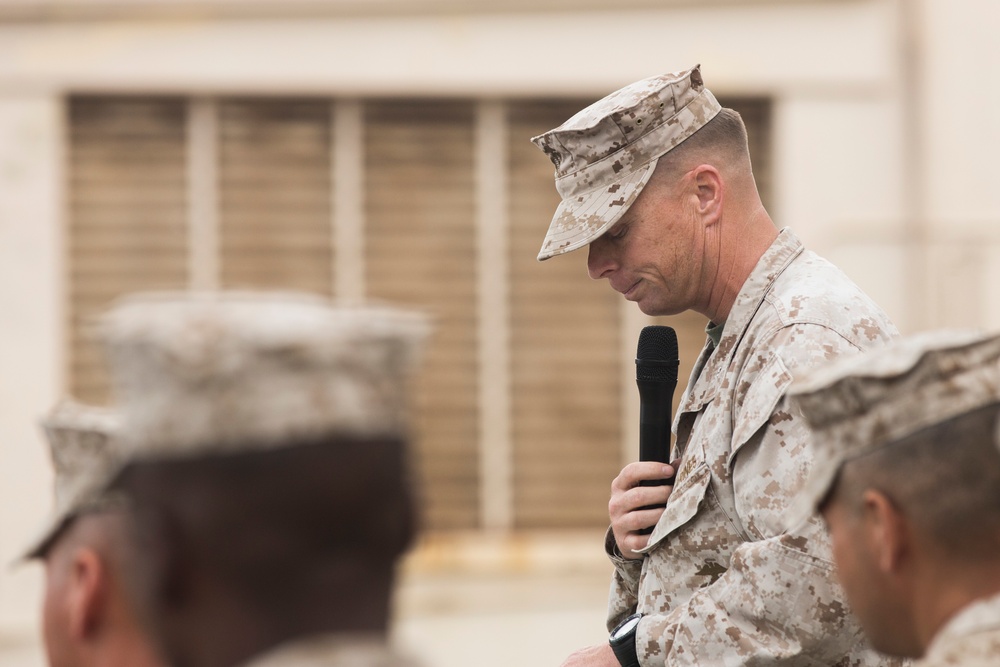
622	641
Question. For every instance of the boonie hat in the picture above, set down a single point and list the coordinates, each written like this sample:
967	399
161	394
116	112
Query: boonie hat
605	154
860	403
202	373
81	445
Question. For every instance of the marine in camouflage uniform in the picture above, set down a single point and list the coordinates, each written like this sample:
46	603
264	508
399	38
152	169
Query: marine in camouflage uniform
719	581
908	481
264	440
722	581
85	548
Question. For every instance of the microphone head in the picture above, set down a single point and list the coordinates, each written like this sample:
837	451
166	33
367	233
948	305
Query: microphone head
657	357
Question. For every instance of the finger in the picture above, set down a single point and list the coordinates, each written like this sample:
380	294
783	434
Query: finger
632	543
640	471
640	520
640	496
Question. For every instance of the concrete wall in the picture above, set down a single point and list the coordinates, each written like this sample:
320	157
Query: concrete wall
30	336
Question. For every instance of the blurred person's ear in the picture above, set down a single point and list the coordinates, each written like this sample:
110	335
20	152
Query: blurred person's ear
886	531
87	595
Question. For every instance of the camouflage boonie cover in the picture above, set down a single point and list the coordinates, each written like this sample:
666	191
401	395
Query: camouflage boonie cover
722	582
854	406
333	650
81	444
228	371
970	639
605	154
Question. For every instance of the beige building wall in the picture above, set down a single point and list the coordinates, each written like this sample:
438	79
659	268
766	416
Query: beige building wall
884	136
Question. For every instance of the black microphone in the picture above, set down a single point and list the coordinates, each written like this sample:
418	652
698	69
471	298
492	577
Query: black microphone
656	363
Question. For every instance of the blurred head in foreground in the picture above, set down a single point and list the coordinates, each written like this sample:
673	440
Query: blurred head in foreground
87	619
265	456
907	478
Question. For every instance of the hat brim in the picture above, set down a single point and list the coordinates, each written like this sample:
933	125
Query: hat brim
59	521
39	546
583	218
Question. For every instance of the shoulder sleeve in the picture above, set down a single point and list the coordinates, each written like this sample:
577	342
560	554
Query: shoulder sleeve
623	599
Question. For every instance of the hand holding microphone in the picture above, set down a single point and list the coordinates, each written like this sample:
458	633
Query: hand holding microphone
640	492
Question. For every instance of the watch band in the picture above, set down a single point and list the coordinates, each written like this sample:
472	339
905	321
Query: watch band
622	641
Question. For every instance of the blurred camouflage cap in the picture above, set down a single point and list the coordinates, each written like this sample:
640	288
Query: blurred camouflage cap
860	403
605	154
200	373
82	448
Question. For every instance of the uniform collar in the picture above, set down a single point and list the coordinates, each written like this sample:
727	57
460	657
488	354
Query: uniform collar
782	251
980	616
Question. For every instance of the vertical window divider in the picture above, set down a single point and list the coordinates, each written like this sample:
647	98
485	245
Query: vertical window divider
347	172
496	454
203	197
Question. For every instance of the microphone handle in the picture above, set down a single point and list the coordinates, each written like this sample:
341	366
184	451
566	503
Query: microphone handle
655	405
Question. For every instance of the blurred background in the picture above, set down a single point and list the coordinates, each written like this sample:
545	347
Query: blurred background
379	149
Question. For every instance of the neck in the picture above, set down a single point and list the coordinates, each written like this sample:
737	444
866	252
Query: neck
228	631
119	641
946	591
125	652
741	243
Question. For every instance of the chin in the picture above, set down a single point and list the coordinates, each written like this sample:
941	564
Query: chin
654	310
892	640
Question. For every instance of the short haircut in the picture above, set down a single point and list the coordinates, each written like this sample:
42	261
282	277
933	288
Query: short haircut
265	522
104	530
945	479
722	139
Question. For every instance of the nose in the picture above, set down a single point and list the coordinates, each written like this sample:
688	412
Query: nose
599	259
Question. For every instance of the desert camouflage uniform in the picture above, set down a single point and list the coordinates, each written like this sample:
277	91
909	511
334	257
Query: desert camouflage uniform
721	583
970	639
334	650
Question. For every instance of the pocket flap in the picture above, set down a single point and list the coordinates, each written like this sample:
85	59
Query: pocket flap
681	506
762	397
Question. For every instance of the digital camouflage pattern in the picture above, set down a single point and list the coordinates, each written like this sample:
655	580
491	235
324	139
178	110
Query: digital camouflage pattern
81	445
722	582
856	405
605	154
970	639
226	371
334	650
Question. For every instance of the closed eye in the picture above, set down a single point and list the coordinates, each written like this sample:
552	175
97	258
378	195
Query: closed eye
618	231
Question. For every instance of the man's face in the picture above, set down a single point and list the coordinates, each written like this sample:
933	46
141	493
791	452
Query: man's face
869	592
654	255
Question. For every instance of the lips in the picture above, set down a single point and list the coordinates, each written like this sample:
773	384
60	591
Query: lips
631	287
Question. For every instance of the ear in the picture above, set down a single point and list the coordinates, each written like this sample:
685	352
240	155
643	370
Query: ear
886	530
710	191
88	593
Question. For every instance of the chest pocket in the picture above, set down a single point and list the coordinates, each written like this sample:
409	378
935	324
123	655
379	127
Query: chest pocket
682	506
759	403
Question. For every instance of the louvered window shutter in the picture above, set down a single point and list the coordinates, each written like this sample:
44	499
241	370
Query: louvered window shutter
275	195
420	251
127	216
271	159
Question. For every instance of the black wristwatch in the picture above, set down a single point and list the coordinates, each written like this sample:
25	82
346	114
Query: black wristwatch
622	641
